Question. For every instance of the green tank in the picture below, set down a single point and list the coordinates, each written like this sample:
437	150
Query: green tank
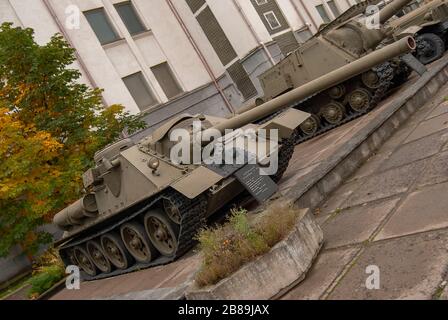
429	25
143	209
343	41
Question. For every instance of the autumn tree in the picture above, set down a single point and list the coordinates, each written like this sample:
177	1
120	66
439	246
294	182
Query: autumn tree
50	127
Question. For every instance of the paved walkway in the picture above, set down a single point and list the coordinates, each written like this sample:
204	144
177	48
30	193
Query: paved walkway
391	214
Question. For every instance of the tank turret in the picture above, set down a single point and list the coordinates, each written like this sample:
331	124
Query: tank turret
144	205
348	39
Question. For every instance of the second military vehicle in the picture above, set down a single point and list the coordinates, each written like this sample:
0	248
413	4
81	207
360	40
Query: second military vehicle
142	209
429	23
339	43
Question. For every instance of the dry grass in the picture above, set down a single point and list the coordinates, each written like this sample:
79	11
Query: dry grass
227	248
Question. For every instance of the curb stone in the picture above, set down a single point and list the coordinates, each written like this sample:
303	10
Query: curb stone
266	278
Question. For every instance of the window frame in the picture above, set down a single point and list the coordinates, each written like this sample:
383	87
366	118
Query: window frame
265	14
338	11
148	87
109	22
173	77
261	2
137	16
325	11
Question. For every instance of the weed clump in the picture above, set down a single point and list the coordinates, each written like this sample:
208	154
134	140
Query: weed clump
227	248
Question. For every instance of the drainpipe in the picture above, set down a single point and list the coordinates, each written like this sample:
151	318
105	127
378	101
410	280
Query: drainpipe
314	23
253	32
67	38
200	55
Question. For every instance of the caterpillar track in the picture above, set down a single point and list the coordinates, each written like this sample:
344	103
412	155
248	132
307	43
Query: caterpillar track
193	217
390	74
385	74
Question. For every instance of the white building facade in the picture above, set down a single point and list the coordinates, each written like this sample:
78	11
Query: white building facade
167	57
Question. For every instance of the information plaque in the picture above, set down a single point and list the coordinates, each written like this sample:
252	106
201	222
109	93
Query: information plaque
260	187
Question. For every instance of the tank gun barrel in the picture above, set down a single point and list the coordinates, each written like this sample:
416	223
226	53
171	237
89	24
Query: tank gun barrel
391	9
327	81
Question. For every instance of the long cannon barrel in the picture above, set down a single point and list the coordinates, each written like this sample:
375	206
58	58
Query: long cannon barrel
327	81
391	9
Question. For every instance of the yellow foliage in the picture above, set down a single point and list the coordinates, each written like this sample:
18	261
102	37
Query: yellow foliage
24	151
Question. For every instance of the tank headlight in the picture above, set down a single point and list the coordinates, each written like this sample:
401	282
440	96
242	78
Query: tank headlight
154	164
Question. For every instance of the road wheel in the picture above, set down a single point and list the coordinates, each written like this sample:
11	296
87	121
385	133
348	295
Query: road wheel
311	125
115	250
162	232
172	211
430	47
359	100
98	257
85	261
137	242
334	112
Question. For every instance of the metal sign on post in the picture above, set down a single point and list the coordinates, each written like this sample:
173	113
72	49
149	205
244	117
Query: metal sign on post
260	187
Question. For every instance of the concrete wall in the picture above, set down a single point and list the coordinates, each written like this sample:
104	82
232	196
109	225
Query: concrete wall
17	263
14	265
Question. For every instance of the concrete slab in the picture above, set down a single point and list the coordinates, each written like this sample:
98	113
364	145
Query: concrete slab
392	182
357	224
436	172
410	268
414	151
372	165
421	211
338	198
405	130
429	127
444	295
441	109
324	272
291	178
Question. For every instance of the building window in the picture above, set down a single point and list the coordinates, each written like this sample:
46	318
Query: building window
260	2
101	25
130	18
334	8
272	20
323	13
140	91
166	80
